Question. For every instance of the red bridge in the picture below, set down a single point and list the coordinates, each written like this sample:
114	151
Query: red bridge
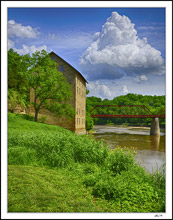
124	111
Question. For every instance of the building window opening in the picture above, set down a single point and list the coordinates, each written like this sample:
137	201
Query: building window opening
61	68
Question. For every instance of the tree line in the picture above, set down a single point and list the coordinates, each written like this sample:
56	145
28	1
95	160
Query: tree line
154	103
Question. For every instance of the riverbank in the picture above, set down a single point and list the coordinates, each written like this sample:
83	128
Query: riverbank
54	170
130	126
125	126
150	149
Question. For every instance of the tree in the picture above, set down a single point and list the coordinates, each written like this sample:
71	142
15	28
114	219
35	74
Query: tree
89	122
17	64
18	88
50	88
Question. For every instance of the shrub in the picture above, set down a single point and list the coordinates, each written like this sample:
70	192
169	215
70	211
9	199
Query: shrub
89	122
130	191
54	146
42	119
111	175
119	159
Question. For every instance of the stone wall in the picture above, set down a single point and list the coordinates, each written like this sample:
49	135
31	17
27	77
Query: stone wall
78	100
80	104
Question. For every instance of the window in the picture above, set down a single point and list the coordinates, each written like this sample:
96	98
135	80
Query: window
61	68
52	58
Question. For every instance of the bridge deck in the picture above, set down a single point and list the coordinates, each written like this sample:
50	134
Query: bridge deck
128	116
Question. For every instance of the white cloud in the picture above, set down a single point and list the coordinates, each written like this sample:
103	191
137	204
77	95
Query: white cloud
10	44
106	89
141	78
111	88
18	30
117	50
124	90
30	49
99	90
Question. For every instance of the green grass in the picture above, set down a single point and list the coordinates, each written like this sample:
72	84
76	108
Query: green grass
46	190
52	169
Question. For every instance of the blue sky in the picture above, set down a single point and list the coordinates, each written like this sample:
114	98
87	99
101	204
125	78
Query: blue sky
115	56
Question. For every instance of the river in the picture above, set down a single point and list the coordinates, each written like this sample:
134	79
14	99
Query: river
150	149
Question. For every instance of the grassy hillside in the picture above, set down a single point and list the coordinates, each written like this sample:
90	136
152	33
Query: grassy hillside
54	170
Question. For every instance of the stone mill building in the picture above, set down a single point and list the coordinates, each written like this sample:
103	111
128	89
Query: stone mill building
78	100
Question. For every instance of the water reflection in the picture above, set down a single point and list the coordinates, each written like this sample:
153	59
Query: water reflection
155	142
150	149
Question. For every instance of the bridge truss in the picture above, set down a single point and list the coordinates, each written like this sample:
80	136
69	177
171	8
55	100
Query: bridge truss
124	111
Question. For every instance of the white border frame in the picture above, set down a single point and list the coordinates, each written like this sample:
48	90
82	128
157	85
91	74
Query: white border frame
91	4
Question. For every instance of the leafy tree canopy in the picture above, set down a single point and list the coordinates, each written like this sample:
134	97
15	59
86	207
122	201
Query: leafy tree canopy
17	64
49	87
154	103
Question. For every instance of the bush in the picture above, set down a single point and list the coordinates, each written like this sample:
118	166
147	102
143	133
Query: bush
89	122
42	119
130	191
119	160
14	98
111	175
53	146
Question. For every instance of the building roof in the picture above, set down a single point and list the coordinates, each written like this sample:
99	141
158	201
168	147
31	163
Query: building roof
69	65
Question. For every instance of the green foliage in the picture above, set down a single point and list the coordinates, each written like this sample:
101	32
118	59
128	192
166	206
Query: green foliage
16	64
56	147
89	122
154	103
119	160
159	176
50	88
27	117
130	191
16	81
42	119
15	98
113	181
35	189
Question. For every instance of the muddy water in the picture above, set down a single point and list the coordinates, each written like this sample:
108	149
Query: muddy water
150	149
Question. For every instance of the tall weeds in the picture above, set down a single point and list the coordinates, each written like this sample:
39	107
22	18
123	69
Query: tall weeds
112	176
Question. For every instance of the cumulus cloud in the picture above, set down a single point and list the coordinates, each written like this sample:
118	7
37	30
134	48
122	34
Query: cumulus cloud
105	89
30	49
99	90
140	79
124	90
117	51
18	30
